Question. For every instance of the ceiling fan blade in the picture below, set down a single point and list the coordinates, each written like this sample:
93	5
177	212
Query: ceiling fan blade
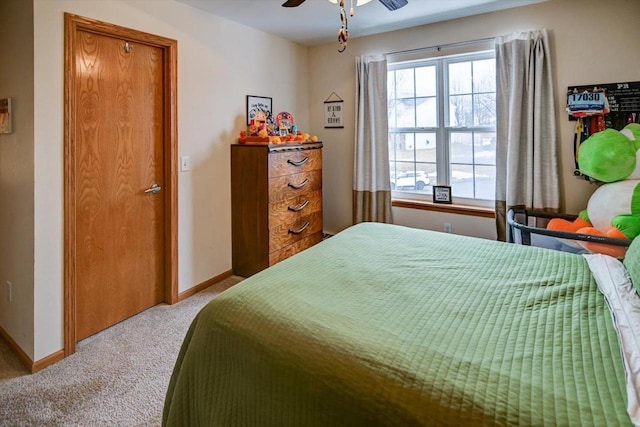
394	4
292	3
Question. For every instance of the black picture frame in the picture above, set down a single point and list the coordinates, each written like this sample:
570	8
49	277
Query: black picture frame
259	103
441	194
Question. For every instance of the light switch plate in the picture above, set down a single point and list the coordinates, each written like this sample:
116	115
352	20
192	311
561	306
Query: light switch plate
185	163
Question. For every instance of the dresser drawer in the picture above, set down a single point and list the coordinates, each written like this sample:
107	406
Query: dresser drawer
291	162
294	248
288	186
286	234
291	210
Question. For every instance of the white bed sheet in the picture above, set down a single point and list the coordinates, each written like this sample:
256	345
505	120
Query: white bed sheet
624	303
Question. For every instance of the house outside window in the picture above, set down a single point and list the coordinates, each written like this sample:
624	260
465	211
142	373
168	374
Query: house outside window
442	127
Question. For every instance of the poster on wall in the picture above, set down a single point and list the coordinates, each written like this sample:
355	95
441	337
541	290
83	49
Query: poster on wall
5	115
333	109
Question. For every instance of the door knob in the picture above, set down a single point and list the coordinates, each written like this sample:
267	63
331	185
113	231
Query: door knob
154	189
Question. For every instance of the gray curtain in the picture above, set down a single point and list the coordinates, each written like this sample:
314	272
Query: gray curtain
527	164
371	183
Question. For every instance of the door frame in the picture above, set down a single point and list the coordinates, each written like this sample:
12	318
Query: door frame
74	23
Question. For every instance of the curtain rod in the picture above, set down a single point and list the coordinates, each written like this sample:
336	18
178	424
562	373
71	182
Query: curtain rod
440	46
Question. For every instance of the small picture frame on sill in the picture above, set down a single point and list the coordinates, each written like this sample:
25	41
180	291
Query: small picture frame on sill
441	194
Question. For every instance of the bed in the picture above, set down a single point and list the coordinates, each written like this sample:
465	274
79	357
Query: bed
383	325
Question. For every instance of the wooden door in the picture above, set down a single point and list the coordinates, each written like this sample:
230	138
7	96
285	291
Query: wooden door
119	155
118	178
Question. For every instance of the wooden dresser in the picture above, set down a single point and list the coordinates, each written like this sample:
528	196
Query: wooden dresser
276	203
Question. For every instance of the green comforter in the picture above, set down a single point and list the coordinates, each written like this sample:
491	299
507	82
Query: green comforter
386	325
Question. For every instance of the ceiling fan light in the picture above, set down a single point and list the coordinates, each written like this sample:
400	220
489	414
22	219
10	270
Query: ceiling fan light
334	1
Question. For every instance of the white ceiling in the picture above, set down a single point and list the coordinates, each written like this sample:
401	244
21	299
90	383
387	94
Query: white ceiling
317	21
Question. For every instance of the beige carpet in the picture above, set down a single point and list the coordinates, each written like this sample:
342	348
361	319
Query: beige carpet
117	377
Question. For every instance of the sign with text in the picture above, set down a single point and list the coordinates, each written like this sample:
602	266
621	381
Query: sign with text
622	98
333	114
586	103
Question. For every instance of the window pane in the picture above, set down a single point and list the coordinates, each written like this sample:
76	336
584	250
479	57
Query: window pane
404	83
392	174
391	112
461	147
392	146
404	147
414	180
427	112
404	176
426	81
485	182
484	75
460	111
406	113
484	109
423	182
426	147
391	78
485	148
459	78
404	167
432	173
462	181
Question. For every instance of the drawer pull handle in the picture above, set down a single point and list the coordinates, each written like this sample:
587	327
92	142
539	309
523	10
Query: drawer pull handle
298	162
299	186
301	229
299	207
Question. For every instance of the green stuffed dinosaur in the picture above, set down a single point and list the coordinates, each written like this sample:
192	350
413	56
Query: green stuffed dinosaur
614	208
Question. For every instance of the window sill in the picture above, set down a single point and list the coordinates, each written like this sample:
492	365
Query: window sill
445	207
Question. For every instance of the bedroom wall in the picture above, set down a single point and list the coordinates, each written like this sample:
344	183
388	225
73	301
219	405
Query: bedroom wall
219	63
604	51
16	174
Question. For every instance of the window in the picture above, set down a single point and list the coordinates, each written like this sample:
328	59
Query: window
442	127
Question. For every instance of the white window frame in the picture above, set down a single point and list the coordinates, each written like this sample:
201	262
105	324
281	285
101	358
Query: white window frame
443	131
